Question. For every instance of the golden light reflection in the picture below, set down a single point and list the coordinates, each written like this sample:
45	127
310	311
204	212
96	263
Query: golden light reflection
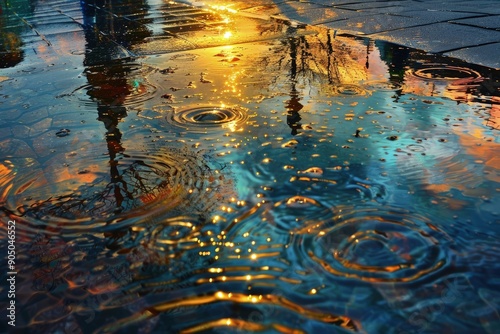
225	322
223	8
236	279
242	298
231	126
227	35
494	119
375	269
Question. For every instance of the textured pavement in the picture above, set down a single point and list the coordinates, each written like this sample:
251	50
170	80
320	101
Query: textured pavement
469	30
464	29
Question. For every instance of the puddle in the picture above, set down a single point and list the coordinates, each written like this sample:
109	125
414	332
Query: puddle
211	169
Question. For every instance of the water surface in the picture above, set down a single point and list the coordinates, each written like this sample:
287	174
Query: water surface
197	169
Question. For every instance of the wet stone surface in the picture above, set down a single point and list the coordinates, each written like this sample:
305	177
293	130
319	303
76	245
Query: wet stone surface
202	169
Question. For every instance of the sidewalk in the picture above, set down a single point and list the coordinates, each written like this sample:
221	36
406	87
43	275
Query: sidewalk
469	30
464	29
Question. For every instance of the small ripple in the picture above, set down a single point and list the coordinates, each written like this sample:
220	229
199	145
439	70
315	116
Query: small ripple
32	69
344	183
205	118
77	52
236	298
444	72
181	234
184	56
380	85
416	148
375	245
118	84
294	212
348	89
171	181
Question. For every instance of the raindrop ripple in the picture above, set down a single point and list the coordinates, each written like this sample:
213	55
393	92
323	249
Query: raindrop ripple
375	245
209	117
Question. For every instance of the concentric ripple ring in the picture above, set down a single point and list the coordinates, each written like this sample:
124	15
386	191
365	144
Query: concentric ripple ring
348	89
203	117
445	73
173	180
388	245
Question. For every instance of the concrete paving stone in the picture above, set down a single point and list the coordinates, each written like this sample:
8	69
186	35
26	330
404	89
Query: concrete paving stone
69	120
302	9
370	23
318	15
368	5
32	38
486	55
162	45
5	131
441	37
335	2
47	17
32	116
46	143
432	16
378	23
65	42
40	127
485	6
58	28
10	114
20	131
68	6
482	6
488	22
15	148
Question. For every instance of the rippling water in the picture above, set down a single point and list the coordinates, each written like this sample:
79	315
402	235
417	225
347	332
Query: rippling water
203	171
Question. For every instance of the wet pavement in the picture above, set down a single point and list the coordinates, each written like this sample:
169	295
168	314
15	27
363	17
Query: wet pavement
229	169
451	28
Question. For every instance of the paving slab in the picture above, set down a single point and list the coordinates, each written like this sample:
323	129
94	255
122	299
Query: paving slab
314	14
377	23
433	26
428	15
441	37
487	22
371	5
486	54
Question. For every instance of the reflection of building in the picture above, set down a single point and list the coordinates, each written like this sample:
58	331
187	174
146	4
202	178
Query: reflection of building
319	60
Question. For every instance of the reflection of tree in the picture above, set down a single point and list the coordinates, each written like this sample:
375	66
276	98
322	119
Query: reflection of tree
397	59
109	86
11	26
293	105
107	35
310	60
169	175
315	57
